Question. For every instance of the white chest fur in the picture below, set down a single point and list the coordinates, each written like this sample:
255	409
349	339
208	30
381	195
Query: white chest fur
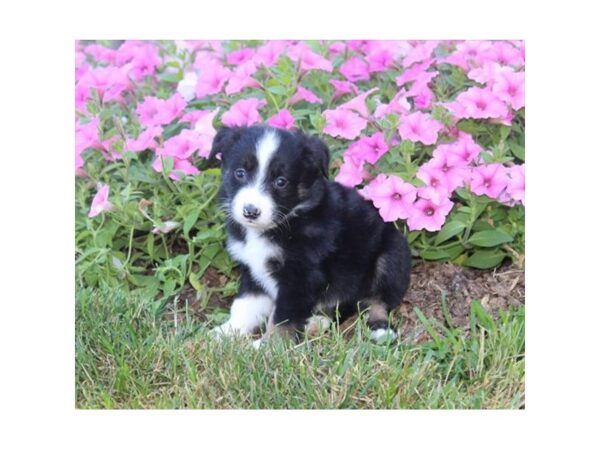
255	252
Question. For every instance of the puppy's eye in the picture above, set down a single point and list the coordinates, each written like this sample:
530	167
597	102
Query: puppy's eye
280	182
240	174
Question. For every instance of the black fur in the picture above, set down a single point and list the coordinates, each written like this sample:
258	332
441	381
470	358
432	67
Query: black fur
335	249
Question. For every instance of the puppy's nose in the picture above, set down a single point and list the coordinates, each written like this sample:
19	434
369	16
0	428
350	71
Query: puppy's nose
251	211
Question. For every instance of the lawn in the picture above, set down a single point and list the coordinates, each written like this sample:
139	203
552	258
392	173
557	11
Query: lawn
130	356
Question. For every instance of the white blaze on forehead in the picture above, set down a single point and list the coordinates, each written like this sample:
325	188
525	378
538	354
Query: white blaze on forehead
265	149
255	193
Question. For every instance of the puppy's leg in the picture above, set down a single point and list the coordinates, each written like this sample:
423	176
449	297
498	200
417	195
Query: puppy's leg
378	320
248	313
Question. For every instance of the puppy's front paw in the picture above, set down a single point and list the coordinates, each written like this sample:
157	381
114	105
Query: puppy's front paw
382	335
223	330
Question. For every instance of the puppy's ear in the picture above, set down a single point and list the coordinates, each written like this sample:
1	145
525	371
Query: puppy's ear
317	153
225	138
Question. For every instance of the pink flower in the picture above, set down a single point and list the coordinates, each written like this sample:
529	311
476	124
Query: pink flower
211	80
145	59
447	167
206	132
468	54
399	105
100	202
510	87
487	73
414	72
505	54
358	103
351	172
101	53
337	48
419	127
306	95
368	149
355	69
165	227
478	103
146	140
393	197
421	93
180	167
187	86
464	148
420	52
242	78
489	179
181	146
240	56
154	111
268	54
86	136
283	119
516	183
429	213
380	60
243	112
343	123
109	82
343	87
309	60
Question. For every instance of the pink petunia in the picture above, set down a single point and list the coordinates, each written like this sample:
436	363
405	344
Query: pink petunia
242	78
355	69
420	52
181	146
212	78
337	48
343	87
468	54
464	148
368	149
243	112
101	53
100	202
308	59
351	172
306	95
479	103
380	60
429	213
109	82
413	73
510	87
516	183
238	57
489	179
144	60
283	119
504	53
358	103
154	111
268	54
393	197
343	123
203	126
419	127
86	136
399	105
146	140
180	167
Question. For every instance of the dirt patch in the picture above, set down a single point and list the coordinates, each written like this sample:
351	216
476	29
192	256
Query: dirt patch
496	290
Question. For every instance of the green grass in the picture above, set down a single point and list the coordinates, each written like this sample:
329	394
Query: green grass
130	356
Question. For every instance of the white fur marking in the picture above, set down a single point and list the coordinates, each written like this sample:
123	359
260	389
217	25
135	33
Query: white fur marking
254	193
247	314
386	333
255	251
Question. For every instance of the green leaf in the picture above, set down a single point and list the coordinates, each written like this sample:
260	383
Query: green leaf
171	77
482	315
195	281
168	164
485	259
517	150
433	254
489	238
450	229
279	90
190	220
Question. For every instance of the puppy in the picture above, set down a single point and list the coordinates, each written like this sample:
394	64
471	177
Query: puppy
303	243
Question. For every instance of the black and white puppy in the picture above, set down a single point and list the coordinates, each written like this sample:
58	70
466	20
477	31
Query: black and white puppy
303	243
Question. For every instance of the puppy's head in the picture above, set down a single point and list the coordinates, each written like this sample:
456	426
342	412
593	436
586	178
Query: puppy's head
269	175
